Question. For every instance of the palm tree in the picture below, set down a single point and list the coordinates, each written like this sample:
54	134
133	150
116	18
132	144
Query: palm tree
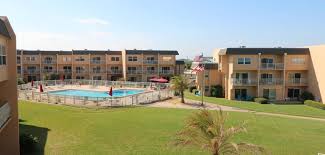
208	130
180	84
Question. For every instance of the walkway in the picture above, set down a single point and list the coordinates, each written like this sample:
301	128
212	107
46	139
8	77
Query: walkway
192	104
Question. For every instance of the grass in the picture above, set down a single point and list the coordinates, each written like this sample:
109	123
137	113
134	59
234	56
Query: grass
140	130
296	109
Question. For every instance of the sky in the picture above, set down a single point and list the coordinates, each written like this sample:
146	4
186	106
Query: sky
189	26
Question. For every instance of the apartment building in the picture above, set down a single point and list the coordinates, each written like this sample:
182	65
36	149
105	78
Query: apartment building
130	65
273	73
9	129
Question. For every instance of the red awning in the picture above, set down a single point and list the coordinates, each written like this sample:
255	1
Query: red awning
160	80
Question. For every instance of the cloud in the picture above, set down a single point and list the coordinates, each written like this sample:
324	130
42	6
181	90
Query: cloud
95	21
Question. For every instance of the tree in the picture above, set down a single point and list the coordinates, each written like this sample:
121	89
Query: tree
180	84
207	130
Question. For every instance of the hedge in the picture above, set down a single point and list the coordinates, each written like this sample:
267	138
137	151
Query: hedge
261	100
315	104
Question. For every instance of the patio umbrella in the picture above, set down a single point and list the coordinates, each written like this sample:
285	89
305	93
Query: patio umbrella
110	93
159	80
41	88
32	84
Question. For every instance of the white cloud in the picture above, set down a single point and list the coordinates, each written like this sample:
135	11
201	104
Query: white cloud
95	21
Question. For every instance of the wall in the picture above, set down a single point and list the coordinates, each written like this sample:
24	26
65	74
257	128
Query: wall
9	134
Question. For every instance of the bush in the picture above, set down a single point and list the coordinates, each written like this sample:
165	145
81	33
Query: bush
261	100
28	143
20	81
307	96
315	104
217	91
191	88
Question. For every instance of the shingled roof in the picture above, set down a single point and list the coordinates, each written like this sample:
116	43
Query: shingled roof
264	51
149	52
3	29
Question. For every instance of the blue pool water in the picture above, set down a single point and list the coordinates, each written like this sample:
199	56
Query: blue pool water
96	94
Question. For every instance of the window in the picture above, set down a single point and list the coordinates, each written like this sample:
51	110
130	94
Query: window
244	61
114	68
150	58
269	93
80	59
96	69
206	88
115	58
97	78
293	93
32	59
266	60
132	58
96	60
298	60
18	60
3	55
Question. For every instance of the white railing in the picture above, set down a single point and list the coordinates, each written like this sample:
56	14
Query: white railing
162	92
243	82
297	81
271	81
4	114
272	66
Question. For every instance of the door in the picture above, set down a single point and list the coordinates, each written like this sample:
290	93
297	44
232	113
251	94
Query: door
293	93
269	94
240	94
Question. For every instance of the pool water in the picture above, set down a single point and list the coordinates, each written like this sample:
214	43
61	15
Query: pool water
96	94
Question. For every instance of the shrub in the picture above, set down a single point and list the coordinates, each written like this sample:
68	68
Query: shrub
307	96
261	100
315	104
20	81
191	88
217	91
28	143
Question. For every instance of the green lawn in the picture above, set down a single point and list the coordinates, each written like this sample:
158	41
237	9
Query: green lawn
299	110
140	130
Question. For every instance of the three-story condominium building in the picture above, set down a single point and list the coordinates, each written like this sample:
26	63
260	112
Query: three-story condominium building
9	135
273	73
130	65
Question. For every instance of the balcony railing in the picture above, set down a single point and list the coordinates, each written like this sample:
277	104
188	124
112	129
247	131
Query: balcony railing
134	72
48	71
243	82
32	71
297	81
271	81
81	71
114	72
67	71
272	66
49	62
166	72
98	71
150	61
97	61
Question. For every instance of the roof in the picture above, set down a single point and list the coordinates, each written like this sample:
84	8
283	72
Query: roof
180	62
149	52
3	29
264	51
81	52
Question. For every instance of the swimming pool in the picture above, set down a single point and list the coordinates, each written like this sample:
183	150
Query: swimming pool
96	94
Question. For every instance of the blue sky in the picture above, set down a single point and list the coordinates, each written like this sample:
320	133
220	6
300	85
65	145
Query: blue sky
189	26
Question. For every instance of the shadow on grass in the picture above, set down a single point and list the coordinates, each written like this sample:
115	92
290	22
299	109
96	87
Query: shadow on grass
39	132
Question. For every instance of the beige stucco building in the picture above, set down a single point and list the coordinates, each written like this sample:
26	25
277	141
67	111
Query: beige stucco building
273	73
129	65
9	129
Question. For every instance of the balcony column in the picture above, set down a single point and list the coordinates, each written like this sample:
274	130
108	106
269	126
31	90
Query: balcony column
40	66
284	75
57	64
72	65
258	74
142	65
106	68
158	69
89	61
21	64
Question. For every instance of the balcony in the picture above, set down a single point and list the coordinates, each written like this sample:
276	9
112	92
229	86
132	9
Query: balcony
98	71
81	71
49	62
166	72
97	62
150	62
48	71
271	81
134	72
272	66
297	82
32	71
244	82
151	71
114	72
66	71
